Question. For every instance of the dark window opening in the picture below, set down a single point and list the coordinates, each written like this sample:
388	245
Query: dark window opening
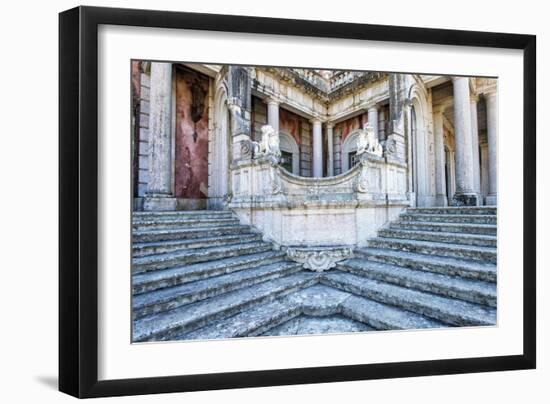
286	161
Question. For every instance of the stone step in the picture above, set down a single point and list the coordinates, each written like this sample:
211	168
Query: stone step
448	218
142	236
246	323
443	265
320	304
180	214
483	254
469	290
153	280
316	300
325	300
485	229
385	317
159	247
449	311
169	260
453	210
170	298
442	237
170	324
182	223
308	325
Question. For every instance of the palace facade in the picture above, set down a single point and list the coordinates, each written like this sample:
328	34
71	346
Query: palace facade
283	201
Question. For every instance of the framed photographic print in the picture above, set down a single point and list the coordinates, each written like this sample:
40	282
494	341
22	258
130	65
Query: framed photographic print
251	201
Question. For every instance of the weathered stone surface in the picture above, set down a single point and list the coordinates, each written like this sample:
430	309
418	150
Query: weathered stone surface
160	247
443	265
305	325
450	311
167	299
167	260
189	273
450	218
467	228
484	254
480	292
166	325
453	238
197	279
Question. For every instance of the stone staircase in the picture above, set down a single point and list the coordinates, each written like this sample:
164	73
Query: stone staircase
203	275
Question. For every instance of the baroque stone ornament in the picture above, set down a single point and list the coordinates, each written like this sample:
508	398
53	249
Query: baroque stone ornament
269	145
367	141
390	146
319	259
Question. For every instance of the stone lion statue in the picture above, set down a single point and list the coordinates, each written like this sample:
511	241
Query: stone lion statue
269	144
367	142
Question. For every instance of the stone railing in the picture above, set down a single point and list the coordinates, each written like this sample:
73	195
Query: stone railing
344	210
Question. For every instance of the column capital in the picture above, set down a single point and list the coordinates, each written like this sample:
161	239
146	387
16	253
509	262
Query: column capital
315	121
474	98
329	124
373	107
272	101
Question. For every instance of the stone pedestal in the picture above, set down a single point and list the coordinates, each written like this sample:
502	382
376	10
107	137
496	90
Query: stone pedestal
465	194
159	190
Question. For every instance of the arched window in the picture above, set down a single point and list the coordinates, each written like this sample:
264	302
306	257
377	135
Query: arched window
349	150
290	153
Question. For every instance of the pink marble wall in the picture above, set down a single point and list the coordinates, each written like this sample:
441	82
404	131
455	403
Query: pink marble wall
290	123
191	135
349	125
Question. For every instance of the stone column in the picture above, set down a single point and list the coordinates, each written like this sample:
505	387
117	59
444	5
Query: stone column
373	119
159	190
317	148
330	150
492	146
273	113
475	146
381	124
439	152
465	194
484	153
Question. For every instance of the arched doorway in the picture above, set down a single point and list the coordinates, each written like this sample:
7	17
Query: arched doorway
423	185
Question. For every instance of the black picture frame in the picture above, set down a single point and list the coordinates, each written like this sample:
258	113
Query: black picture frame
78	201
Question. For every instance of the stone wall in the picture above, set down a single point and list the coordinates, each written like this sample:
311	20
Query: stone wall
258	117
140	89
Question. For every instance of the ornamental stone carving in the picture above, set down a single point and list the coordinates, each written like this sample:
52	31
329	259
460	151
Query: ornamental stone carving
269	144
390	146
367	141
319	259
